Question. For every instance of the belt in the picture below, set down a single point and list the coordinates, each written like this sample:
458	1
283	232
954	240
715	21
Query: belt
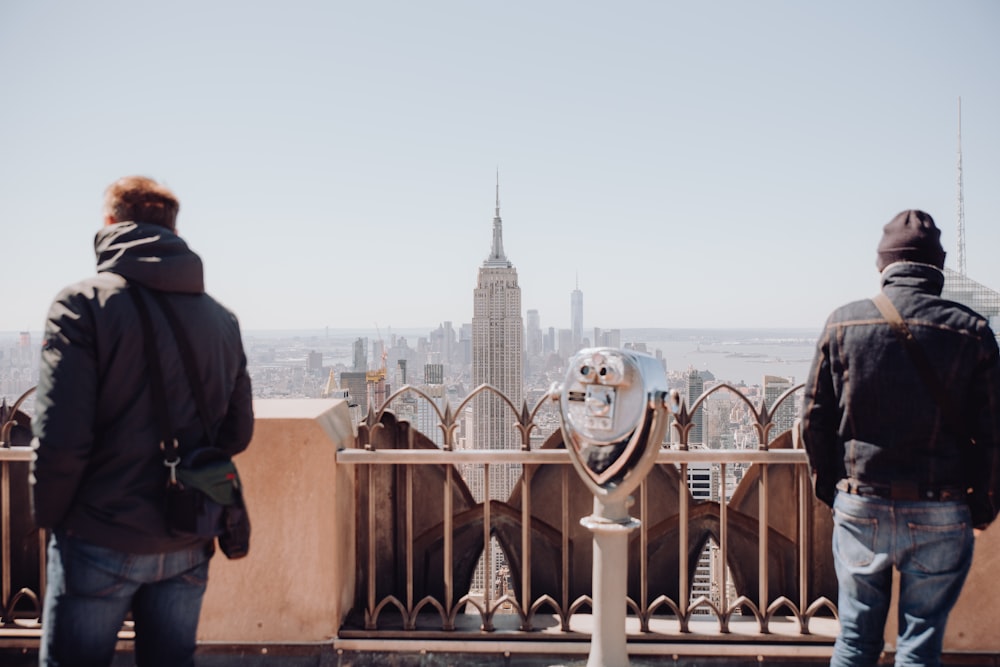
901	490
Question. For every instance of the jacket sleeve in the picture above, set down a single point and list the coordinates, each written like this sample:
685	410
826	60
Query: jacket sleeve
65	409
983	466
237	425
820	424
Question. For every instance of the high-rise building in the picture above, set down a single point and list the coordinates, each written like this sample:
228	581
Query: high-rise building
703	485
609	338
443	344
356	384
447	343
314	362
360	355
784	417
576	316
497	349
968	292
427	420
497	332
695	387
565	347
534	339
433	373
464	351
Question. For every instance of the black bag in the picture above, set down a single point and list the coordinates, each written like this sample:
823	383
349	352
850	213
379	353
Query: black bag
204	495
234	540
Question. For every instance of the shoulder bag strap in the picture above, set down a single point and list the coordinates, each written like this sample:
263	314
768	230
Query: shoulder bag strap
168	443
920	360
187	358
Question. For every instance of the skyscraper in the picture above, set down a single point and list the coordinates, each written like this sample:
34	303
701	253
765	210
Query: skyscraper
433	373
355	382
314	362
576	316
784	417
360	349
427	419
534	335
695	387
497	346
497	332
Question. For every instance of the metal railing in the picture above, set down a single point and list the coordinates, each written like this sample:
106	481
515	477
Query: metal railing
403	478
403	546
22	546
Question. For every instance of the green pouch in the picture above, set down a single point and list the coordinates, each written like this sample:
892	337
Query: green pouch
216	479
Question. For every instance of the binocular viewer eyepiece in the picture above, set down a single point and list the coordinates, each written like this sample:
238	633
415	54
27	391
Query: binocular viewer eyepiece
613	414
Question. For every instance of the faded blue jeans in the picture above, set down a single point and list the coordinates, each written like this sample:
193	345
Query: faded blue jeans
929	543
90	590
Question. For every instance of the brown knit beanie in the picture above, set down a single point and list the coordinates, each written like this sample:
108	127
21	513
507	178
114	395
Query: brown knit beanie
910	237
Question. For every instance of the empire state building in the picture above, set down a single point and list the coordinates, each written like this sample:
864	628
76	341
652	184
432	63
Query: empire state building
497	343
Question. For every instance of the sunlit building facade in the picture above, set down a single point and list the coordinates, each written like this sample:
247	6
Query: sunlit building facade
968	292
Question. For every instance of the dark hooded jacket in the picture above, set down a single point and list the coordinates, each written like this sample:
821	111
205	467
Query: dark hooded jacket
98	471
868	415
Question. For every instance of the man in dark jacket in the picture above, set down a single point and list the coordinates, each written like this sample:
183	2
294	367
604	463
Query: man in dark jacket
888	447
98	476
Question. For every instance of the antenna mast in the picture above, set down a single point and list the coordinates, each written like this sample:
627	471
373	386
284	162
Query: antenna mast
961	198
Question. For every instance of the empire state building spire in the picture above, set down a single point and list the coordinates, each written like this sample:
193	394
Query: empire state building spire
497	256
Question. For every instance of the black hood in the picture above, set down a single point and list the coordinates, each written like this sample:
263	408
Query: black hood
150	255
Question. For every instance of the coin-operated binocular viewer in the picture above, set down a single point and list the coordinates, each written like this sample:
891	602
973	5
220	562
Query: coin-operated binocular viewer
614	413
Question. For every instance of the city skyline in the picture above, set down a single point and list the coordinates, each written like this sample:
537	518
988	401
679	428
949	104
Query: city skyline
693	165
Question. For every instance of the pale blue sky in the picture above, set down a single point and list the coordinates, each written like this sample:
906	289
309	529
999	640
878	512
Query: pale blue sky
693	164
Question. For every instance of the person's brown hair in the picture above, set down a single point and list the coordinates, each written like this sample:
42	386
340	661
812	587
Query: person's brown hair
141	199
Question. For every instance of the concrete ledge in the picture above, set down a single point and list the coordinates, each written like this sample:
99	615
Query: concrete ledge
973	623
296	585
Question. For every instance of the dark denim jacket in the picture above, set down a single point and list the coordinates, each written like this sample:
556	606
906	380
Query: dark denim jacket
868	415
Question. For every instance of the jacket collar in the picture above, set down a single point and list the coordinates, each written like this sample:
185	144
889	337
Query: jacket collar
914	275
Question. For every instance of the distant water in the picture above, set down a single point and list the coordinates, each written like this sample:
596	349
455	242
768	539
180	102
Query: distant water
732	355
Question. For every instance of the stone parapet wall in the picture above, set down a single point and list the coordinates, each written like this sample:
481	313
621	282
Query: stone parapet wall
297	583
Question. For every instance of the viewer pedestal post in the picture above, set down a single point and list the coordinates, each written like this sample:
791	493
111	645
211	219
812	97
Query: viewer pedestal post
611	524
613	415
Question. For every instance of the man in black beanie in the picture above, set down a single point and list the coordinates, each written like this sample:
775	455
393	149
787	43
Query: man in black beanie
899	386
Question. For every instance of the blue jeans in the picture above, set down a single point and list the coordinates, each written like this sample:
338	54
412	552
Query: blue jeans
90	590
929	543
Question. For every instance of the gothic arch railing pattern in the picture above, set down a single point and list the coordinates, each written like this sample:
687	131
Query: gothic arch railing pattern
447	422
539	525
528	539
763	417
13	418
